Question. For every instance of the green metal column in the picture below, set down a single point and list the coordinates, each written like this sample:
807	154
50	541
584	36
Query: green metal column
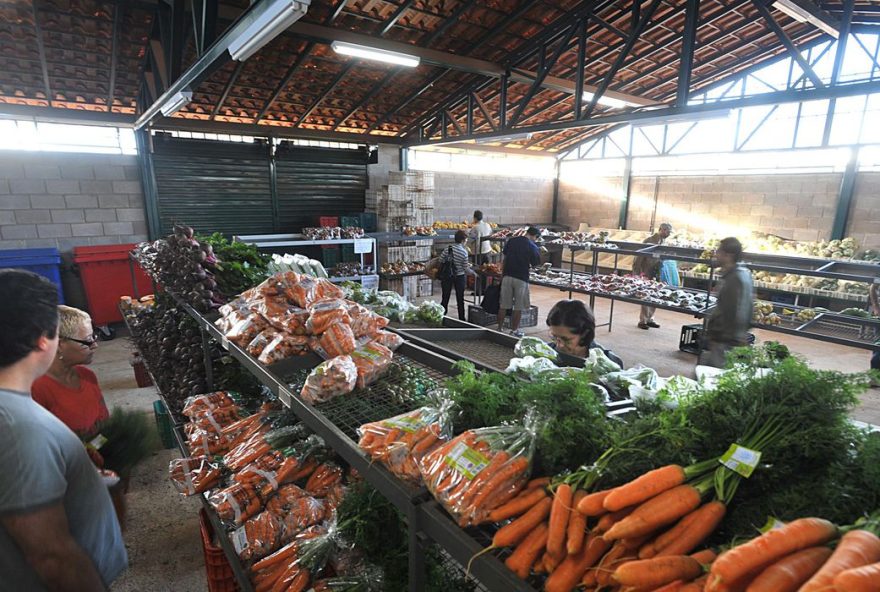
556	194
625	190
148	182
845	197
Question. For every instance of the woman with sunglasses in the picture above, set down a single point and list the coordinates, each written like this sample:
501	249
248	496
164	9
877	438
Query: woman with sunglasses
69	390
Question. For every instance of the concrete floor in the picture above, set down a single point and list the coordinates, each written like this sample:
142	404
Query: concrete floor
162	533
162	529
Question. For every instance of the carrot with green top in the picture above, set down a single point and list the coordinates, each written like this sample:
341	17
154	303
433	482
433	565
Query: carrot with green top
527	552
559	513
517	530
651	573
859	579
791	572
518	505
572	569
657	512
593	504
704	521
644	487
577	526
855	549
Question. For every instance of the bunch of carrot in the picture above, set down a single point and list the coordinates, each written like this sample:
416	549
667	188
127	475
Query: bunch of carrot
479	470
285	516
260	444
400	442
194	475
236	503
796	557
278	467
324	479
281	571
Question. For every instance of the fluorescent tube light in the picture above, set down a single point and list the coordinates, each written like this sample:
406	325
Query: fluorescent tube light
608	101
503	139
278	16
379	55
803	15
177	102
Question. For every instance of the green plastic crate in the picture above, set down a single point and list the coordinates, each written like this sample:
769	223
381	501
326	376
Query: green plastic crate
163	424
330	257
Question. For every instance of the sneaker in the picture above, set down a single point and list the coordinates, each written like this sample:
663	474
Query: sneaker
653	324
643	326
518	333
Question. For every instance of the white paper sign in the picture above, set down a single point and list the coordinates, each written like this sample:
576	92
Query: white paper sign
363	245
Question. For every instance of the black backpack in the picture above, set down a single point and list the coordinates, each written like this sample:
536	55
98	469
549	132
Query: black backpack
447	269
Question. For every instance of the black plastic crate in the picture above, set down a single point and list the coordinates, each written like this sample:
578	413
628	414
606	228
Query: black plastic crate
478	316
691	339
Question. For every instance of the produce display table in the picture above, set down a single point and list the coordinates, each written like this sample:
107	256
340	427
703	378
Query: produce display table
426	519
811	293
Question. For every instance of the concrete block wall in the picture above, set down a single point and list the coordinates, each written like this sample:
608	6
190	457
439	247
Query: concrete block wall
799	206
509	200
65	200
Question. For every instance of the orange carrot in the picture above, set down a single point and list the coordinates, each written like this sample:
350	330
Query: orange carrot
859	579
609	563
537	482
516	531
589	580
525	554
659	511
644	487
559	520
791	572
651	573
706	519
637	543
670	587
769	548
517	505
696	586
609	520
593	504
855	549
572	569
505	477
551	561
577	526
705	557
681	526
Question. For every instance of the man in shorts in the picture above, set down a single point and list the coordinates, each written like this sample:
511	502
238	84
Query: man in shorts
520	253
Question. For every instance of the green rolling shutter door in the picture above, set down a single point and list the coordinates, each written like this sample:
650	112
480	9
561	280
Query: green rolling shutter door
227	186
316	182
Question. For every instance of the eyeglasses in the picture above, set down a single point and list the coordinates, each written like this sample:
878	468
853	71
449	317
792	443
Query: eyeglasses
87	343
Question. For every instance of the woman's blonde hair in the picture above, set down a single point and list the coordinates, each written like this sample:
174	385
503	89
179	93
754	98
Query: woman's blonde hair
70	319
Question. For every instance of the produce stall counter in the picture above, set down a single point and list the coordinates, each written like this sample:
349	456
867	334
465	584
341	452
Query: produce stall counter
851	331
339	435
789	289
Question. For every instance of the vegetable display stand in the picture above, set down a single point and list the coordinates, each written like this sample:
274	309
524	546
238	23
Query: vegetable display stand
44	262
105	276
220	575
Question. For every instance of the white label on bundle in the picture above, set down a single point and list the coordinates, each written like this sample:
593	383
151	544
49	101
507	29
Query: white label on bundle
239	540
740	459
363	245
466	460
267	476
406	423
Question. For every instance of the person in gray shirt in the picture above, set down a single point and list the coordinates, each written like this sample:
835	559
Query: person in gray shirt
729	321
58	529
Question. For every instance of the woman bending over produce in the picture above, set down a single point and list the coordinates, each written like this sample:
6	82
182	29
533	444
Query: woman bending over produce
573	328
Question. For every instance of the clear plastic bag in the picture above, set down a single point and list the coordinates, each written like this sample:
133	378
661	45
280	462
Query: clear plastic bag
278	468
296	563
529	366
198	404
302	293
337	376
372	361
400	442
535	347
365	322
599	363
194	475
481	469
325	313
283	346
327	289
337	340
259	343
243	331
390	340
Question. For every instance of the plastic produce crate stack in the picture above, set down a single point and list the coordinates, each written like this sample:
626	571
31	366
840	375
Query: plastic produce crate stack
45	262
220	575
163	424
478	316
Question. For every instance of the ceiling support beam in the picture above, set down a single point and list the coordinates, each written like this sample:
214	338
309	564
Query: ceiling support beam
41	50
543	70
118	11
691	25
178	38
204	14
377	87
215	56
229	83
695	111
786	41
336	80
288	76
484	110
392	20
838	66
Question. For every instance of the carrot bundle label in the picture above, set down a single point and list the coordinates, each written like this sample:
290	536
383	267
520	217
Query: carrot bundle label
480	469
741	460
400	442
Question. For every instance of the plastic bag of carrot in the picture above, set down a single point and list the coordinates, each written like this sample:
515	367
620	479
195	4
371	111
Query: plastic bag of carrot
400	442
194	475
481	469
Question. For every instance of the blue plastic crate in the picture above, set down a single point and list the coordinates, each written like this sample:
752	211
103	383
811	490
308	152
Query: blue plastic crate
45	262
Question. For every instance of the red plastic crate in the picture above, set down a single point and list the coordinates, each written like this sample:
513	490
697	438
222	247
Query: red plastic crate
106	276
220	576
328	221
141	376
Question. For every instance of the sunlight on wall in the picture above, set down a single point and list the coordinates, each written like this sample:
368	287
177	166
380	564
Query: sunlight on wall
475	162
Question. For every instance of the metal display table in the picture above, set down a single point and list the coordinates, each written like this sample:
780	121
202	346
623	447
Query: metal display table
427	522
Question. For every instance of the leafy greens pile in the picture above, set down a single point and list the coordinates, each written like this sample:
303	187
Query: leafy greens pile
241	265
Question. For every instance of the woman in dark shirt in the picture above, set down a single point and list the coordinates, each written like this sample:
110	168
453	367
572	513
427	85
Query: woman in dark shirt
459	257
573	328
